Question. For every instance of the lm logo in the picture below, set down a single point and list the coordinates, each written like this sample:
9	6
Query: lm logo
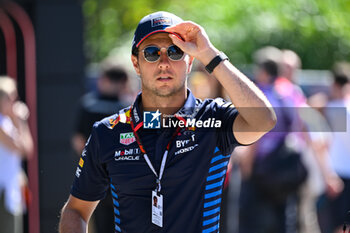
151	120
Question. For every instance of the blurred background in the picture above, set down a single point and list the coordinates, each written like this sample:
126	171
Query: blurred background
53	49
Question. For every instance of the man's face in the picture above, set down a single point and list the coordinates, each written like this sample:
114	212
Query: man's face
164	77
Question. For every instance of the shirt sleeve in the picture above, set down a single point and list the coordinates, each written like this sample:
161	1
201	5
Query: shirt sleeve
226	113
91	180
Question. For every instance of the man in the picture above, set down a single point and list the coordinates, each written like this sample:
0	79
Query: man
183	166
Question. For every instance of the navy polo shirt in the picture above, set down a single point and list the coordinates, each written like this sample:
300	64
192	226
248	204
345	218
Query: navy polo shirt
194	171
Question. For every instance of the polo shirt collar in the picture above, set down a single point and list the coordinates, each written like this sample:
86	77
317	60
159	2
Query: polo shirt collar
188	109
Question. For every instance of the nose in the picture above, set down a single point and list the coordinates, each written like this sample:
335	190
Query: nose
163	60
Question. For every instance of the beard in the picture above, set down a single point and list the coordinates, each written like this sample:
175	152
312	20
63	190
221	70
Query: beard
167	91
164	90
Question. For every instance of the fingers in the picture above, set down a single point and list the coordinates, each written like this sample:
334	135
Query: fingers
187	47
179	43
183	27
195	40
187	30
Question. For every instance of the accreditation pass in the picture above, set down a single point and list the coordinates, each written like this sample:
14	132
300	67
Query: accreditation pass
157	209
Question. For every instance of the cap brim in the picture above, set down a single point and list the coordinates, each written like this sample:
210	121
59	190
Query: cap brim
154	32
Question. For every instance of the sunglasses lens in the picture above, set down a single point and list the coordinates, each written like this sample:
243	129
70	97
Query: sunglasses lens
175	53
151	53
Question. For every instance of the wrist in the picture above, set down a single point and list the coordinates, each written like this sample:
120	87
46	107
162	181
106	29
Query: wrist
215	62
206	56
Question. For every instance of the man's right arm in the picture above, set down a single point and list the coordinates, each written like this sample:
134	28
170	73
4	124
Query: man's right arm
75	215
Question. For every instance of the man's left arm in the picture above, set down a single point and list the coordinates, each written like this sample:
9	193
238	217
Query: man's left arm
256	115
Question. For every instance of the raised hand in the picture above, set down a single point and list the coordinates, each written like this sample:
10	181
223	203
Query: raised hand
195	41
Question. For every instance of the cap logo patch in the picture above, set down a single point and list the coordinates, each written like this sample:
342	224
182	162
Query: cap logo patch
161	21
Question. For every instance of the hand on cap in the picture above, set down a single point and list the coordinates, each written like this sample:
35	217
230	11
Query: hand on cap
196	42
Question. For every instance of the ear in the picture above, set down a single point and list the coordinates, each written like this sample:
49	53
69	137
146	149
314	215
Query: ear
135	63
190	63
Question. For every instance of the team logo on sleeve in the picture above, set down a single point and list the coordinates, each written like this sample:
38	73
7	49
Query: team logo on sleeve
127	138
83	154
77	172
151	120
81	162
113	122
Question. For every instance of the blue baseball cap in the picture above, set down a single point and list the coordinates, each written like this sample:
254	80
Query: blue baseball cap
151	24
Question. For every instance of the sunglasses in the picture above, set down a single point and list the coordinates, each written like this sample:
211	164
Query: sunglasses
152	53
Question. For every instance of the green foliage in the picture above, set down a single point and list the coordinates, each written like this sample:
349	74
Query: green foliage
318	30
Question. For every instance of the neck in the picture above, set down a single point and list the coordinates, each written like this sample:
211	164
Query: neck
166	104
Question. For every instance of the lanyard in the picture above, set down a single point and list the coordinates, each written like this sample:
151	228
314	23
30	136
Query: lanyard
165	155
